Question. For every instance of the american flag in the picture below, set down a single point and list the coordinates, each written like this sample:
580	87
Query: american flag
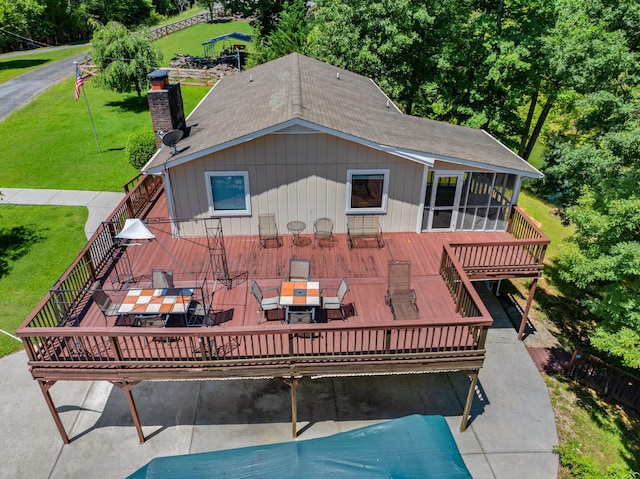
79	82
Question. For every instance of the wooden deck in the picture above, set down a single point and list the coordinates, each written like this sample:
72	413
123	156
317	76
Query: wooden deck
67	337
364	268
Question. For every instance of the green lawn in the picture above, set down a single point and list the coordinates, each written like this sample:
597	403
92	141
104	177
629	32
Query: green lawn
37	244
52	143
189	41
551	225
51	139
598	440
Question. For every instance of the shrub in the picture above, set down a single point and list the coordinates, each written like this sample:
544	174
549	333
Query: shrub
141	145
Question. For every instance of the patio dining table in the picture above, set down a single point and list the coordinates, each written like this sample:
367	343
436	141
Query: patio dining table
158	301
300	296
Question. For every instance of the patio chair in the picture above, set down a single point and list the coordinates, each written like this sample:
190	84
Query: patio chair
268	230
102	299
335	302
299	270
400	297
161	278
323	231
157	321
266	304
197	314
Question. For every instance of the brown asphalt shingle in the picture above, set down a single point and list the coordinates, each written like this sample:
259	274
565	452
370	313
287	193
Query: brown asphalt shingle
298	87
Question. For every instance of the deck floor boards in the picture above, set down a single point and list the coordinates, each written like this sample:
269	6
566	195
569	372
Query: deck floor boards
365	269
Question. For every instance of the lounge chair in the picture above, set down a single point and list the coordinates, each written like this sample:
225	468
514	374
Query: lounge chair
335	302
400	297
323	231
268	230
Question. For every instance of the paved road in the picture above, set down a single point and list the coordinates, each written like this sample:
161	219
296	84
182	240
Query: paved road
21	90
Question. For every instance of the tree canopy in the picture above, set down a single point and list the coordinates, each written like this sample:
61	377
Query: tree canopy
290	35
24	23
124	58
592	169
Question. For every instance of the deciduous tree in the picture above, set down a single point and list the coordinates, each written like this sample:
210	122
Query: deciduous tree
124	58
291	35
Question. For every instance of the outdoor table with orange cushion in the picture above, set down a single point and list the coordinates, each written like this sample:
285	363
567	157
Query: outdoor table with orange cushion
299	294
156	301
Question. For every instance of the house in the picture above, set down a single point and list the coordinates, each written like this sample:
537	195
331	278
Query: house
299	140
304	139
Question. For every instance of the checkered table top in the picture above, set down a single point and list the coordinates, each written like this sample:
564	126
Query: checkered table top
300	293
161	300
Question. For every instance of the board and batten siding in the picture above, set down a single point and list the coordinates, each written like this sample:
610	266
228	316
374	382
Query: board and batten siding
297	177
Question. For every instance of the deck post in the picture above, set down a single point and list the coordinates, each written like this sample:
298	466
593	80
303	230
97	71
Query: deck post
292	383
473	375
126	388
44	387
525	315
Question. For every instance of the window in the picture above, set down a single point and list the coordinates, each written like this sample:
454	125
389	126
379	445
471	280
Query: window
228	193
367	191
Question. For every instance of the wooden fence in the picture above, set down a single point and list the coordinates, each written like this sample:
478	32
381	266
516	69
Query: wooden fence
604	378
204	17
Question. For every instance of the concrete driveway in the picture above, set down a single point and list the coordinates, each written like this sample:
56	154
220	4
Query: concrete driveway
511	431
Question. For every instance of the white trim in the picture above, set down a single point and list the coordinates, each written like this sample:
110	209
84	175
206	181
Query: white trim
175	230
423	192
516	191
247	194
437	174
385	190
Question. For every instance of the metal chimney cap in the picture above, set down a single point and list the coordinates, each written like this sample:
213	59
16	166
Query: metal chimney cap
158	74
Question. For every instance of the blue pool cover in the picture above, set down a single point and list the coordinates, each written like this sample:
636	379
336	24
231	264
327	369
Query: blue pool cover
412	447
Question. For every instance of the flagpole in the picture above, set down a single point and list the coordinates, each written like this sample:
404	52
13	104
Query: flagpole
93	127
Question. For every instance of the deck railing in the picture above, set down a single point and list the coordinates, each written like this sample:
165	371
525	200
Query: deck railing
315	349
522	256
467	301
70	290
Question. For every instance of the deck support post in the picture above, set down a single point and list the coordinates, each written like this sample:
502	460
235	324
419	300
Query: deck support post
44	387
525	315
293	383
473	375
126	388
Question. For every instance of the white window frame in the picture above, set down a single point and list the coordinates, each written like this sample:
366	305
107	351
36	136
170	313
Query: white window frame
385	191
247	194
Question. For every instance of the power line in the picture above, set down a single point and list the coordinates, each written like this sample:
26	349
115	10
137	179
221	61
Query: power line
35	42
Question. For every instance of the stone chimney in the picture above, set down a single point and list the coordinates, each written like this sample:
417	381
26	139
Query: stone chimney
165	104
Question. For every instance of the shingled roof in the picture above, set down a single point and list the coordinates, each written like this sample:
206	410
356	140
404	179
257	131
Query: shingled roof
297	91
